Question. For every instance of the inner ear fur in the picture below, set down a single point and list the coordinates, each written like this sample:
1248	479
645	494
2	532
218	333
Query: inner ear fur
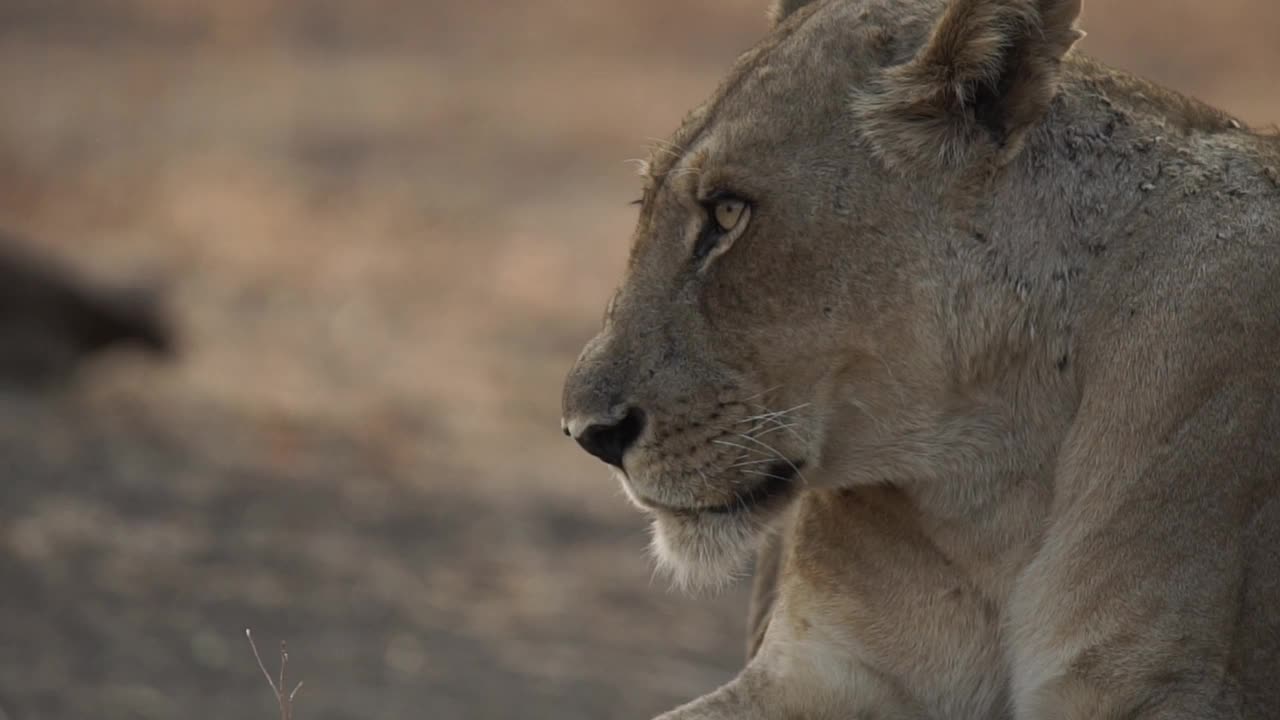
780	9
986	73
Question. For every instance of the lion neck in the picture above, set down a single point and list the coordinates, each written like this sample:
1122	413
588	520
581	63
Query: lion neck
1010	288
1014	282
1042	228
984	365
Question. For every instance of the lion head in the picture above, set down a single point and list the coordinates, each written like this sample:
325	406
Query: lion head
793	313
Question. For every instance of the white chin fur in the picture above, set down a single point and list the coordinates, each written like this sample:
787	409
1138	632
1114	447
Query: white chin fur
703	555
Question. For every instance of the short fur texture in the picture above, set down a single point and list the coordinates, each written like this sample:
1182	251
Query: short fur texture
987	71
993	372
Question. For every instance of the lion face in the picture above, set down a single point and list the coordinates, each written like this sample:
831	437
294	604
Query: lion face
774	326
756	275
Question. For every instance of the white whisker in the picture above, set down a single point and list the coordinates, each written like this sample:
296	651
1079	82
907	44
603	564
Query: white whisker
775	413
758	473
740	447
762	393
748	463
778	455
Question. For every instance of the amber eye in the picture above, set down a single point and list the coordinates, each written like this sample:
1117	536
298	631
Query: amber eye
728	212
728	219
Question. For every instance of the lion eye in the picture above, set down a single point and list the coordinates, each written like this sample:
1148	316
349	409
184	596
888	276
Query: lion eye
728	213
727	218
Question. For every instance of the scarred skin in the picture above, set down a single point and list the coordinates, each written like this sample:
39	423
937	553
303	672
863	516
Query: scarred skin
980	338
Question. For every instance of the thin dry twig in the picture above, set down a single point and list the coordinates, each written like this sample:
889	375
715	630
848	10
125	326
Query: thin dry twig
285	700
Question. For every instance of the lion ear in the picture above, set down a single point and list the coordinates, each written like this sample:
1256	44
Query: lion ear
987	72
780	9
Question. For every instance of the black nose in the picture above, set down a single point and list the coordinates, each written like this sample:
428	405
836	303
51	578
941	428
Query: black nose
610	442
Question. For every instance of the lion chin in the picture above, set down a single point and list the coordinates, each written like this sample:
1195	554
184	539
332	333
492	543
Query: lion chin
703	550
703	553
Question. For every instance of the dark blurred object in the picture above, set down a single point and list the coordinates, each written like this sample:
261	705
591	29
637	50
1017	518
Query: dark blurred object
52	320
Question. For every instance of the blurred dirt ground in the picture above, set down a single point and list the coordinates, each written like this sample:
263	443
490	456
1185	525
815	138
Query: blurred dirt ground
386	228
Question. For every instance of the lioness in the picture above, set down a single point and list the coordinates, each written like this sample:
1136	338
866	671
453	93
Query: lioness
982	338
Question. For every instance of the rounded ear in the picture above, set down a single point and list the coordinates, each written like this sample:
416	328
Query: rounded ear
780	9
986	73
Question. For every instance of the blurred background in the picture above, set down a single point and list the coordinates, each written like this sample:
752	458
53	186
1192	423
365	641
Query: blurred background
381	231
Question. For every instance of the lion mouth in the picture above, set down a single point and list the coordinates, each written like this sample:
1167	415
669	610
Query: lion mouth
778	483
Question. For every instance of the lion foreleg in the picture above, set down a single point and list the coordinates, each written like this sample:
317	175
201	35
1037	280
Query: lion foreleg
802	675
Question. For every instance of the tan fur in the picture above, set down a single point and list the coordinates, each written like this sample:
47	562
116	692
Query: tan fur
1007	322
987	71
